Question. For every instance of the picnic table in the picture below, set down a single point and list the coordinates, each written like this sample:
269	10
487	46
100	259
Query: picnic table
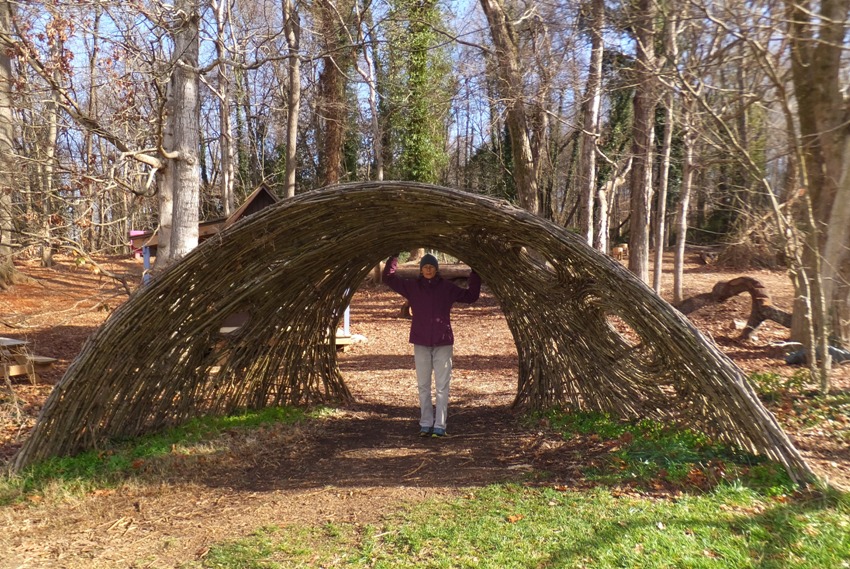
16	359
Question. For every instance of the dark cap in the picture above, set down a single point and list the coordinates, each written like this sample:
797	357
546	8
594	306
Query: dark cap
428	259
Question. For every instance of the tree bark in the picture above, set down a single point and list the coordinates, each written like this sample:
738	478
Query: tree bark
664	168
510	89
7	156
92	235
688	139
292	28
816	72
331	106
222	14
182	179
607	198
48	167
590	122
642	141
369	75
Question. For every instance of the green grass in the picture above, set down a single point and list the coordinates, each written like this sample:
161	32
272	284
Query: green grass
511	526
718	509
104	468
801	408
650	455
829	414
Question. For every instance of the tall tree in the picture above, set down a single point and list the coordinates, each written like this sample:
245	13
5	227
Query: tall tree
688	166
222	13
590	120
332	106
643	135
56	40
816	37
672	52
423	148
181	145
510	88
416	77
7	154
292	29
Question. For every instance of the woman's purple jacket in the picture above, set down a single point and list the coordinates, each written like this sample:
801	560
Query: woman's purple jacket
431	302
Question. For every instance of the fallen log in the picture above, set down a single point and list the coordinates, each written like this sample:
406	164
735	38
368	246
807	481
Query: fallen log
449	271
762	307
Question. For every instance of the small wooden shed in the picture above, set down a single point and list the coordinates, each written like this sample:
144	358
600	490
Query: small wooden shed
260	198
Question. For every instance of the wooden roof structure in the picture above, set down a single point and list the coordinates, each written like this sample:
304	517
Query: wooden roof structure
293	268
259	199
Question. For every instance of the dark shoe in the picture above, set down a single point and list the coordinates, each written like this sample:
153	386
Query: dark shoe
438	433
425	432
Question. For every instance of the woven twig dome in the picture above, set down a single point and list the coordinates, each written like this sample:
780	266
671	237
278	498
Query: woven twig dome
293	268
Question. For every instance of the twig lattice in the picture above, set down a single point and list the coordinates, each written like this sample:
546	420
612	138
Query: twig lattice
589	334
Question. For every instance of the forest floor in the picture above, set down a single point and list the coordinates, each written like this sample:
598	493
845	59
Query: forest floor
359	462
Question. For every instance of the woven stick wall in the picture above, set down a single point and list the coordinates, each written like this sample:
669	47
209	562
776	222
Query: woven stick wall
293	268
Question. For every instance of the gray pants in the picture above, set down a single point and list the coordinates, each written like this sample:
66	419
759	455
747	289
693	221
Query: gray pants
439	360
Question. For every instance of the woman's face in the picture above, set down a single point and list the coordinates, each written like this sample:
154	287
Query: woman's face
429	271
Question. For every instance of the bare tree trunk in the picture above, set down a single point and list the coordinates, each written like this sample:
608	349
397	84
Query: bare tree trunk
666	150
661	211
510	89
590	128
820	323
165	200
607	196
222	13
91	234
835	257
331	106
370	49
816	72
182	175
642	143
602	219
49	166
684	203
186	116
836	272
7	156
292	27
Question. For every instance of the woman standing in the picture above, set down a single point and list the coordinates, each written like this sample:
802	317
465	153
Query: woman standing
431	299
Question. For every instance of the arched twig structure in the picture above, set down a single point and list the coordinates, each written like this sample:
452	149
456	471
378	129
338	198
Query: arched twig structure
291	269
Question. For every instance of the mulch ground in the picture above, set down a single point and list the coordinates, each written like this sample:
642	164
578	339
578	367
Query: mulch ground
362	462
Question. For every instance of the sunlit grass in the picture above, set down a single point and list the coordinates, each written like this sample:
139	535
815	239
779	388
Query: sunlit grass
511	526
109	466
648	454
659	497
